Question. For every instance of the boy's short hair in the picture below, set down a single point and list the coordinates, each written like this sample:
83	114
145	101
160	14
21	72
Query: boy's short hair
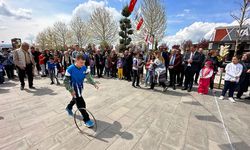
80	57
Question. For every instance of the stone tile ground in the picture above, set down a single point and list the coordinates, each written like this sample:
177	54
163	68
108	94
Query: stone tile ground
128	118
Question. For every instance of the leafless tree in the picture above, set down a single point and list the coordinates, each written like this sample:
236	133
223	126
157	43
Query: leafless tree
47	39
155	20
186	45
80	30
51	39
241	18
103	26
61	30
41	40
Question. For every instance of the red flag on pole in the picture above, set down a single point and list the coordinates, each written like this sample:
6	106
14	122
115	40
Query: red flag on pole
139	24
132	5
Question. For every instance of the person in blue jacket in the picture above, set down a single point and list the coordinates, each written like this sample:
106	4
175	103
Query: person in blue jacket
51	67
74	79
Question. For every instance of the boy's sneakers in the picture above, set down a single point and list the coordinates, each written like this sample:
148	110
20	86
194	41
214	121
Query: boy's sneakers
221	98
165	89
231	99
52	83
70	112
89	124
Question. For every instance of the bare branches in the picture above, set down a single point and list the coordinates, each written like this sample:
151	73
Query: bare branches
41	39
61	30
80	31
241	18
155	18
103	26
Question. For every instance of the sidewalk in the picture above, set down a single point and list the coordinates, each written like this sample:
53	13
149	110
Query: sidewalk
128	118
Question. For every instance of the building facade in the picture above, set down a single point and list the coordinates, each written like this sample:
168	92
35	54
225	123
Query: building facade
227	36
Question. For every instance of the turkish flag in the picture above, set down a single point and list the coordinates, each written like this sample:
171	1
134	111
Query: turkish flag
132	5
139	24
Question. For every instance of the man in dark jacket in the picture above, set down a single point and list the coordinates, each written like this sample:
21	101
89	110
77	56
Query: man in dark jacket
192	61
36	54
174	67
165	55
197	73
99	63
127	66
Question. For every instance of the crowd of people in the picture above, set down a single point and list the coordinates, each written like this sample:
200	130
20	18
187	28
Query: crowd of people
163	67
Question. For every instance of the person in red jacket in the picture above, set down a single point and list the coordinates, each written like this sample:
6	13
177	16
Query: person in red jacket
42	64
205	76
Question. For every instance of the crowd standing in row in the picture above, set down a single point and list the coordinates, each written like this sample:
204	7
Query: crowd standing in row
184	70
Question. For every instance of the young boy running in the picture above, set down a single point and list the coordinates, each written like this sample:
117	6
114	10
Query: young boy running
52	70
74	78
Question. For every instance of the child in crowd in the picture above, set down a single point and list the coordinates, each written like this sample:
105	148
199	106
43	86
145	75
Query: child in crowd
92	65
205	75
148	67
136	76
52	70
42	64
120	67
59	66
140	66
74	78
232	76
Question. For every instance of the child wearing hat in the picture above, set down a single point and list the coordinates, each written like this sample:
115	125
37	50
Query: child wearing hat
205	75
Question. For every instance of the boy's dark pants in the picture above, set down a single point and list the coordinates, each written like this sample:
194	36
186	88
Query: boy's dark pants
136	77
107	71
80	103
52	75
231	86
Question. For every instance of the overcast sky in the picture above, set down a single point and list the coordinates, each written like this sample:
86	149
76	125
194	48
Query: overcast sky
187	19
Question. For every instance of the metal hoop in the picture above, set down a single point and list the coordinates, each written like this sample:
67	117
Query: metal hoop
94	128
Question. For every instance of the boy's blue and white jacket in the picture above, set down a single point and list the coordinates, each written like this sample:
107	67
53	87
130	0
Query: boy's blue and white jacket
74	79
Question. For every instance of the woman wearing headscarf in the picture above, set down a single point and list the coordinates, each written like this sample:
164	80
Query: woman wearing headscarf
159	71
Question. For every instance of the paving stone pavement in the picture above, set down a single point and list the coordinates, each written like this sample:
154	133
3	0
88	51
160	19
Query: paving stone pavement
128	119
